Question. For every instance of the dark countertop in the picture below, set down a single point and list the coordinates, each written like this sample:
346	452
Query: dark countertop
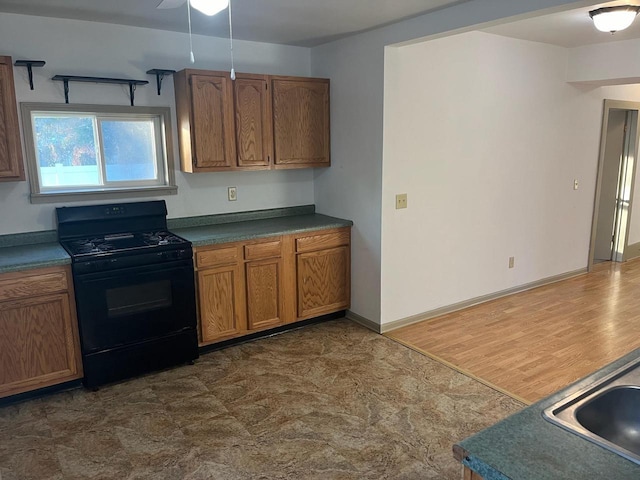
38	255
20	251
253	229
525	446
40	249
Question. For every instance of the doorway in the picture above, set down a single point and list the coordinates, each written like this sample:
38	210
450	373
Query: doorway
615	182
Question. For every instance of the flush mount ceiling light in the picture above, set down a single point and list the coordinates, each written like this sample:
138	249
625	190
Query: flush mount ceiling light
614	19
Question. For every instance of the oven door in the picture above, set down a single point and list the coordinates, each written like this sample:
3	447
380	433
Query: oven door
132	305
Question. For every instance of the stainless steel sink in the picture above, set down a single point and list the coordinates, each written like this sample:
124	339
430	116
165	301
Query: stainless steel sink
606	412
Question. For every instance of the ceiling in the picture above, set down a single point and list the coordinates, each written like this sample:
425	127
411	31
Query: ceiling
293	22
569	29
313	22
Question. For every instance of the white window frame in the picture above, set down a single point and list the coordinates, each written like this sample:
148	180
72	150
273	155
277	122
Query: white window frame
164	184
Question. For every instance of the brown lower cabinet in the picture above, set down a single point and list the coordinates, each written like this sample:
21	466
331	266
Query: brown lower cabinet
245	287
39	343
323	273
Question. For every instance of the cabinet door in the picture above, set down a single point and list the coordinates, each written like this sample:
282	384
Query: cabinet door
323	281
253	121
212	132
300	122
38	343
11	166
221	303
264	293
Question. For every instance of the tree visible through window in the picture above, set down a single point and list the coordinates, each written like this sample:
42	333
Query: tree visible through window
66	150
111	149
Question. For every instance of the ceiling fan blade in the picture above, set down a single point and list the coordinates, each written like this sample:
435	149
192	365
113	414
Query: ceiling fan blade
170	4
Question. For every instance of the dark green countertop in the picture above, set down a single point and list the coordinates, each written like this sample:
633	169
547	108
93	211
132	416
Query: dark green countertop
253	229
40	249
21	251
525	446
38	255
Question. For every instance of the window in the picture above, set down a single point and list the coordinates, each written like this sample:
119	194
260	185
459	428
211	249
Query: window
80	152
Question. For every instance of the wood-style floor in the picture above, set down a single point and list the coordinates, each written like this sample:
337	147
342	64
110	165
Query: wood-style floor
533	343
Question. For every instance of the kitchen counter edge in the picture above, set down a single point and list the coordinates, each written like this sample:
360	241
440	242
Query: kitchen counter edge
525	446
30	255
257	229
26	257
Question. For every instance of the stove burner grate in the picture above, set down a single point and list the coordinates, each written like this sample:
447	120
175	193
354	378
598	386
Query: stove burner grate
161	238
95	245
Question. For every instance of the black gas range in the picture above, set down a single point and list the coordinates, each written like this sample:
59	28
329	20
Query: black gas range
111	251
134	286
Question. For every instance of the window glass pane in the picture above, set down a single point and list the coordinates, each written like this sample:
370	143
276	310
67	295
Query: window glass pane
66	150
86	152
129	150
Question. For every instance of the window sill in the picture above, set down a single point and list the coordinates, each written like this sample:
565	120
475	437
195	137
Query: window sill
57	197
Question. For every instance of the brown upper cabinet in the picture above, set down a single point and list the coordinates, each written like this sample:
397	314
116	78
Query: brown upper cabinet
300	122
11	166
204	108
255	122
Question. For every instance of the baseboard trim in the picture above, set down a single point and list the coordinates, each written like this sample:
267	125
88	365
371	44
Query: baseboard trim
365	322
403	322
632	251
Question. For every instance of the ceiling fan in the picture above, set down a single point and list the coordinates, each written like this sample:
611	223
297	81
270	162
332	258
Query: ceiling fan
208	7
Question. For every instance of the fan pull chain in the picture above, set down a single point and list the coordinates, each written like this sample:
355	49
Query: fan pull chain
192	59
233	71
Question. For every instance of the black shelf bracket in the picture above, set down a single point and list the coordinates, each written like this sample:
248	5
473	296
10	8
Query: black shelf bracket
30	64
65	79
160	74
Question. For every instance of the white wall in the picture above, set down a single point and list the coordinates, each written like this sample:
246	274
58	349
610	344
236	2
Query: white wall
602	63
634	220
487	150
352	187
94	49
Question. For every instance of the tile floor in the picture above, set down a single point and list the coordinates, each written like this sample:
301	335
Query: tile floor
330	401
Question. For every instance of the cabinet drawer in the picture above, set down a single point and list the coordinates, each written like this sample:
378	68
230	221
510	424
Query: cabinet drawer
320	242
219	256
262	250
27	285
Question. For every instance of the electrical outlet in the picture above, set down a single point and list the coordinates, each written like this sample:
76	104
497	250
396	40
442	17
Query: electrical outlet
512	261
575	184
232	193
401	201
